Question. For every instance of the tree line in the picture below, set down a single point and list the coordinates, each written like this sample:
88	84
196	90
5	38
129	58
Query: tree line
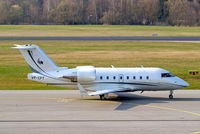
113	12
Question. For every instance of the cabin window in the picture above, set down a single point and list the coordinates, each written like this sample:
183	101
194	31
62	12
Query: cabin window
127	77
101	77
120	77
107	77
147	77
164	75
114	77
134	77
140	77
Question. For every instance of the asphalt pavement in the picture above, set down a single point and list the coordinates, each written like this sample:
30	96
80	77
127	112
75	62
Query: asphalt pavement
66	112
121	38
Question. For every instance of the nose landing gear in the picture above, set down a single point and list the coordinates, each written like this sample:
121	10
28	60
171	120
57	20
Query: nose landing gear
171	94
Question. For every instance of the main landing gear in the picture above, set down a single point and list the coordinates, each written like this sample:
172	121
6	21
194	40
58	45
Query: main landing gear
103	97
171	94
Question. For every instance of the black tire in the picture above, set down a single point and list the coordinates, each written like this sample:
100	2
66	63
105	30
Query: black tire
101	97
171	97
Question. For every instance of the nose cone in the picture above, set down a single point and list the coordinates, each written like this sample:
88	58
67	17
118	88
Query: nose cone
183	83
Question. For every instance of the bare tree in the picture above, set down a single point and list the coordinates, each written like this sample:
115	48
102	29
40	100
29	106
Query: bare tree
4	10
174	12
181	12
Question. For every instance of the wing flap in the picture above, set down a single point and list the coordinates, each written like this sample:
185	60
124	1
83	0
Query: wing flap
100	92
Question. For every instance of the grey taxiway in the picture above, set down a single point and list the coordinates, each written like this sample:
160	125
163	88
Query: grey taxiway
66	111
121	38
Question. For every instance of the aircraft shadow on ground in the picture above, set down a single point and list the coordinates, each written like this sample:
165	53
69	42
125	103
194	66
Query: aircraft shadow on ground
128	100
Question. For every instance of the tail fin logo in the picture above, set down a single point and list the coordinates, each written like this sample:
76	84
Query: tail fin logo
39	61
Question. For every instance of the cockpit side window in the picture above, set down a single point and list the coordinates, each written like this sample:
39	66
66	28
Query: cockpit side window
164	75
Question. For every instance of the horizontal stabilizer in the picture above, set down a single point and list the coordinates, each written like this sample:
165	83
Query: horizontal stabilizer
24	47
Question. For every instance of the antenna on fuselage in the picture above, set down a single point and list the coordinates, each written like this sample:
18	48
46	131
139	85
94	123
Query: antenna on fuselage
112	66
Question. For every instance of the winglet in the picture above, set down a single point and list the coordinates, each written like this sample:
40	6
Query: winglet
82	90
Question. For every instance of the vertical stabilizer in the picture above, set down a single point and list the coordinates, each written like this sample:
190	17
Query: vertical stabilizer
36	58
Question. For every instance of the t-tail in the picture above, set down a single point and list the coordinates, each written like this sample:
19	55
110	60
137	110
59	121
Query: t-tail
43	68
37	60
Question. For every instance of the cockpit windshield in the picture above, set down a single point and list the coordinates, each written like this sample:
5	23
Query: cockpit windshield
164	75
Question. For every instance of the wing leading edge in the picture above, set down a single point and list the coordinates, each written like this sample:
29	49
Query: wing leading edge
100	92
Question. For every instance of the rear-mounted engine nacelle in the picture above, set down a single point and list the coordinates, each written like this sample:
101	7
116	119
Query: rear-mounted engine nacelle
85	75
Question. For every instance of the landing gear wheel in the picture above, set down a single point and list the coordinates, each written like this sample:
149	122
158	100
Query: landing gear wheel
171	94
171	97
102	97
106	97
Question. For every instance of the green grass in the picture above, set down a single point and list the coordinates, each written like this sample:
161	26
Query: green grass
176	57
96	30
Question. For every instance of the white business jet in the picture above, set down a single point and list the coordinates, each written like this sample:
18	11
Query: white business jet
98	81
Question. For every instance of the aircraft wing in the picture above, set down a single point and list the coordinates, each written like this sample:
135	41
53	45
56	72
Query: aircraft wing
99	92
